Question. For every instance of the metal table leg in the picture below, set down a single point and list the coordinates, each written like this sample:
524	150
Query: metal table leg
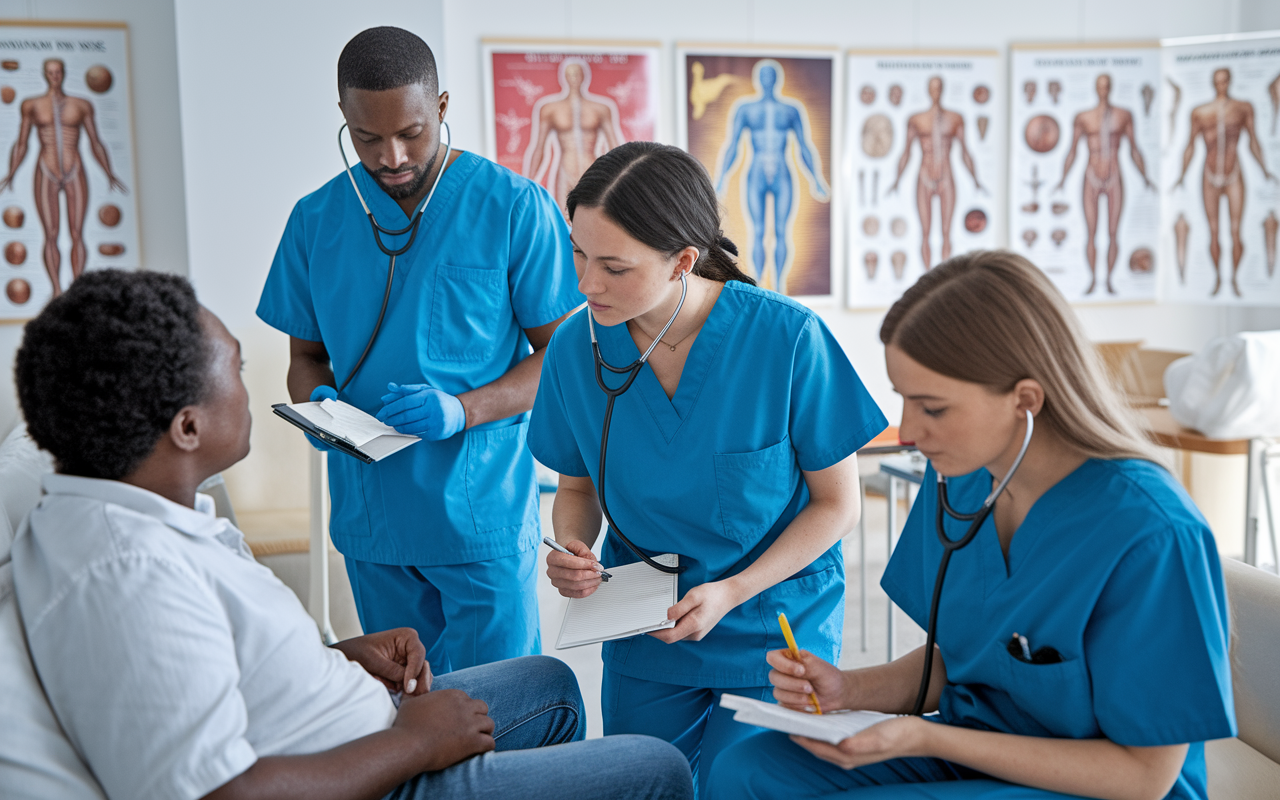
892	526
862	564
318	559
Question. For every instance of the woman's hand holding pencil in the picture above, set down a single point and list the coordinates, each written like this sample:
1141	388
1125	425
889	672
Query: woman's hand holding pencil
803	681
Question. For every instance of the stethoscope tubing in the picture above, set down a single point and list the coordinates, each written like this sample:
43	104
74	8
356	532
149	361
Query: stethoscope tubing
378	231
632	371
950	546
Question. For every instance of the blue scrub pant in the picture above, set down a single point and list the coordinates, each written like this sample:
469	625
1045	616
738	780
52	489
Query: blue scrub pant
539	724
772	766
689	717
465	614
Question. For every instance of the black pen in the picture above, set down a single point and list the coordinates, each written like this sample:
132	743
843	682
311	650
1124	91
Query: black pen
554	545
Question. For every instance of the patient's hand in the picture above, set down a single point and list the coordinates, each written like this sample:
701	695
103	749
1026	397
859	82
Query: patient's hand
447	726
395	657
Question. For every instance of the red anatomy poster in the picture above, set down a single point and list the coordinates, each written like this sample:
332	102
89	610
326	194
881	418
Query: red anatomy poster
553	108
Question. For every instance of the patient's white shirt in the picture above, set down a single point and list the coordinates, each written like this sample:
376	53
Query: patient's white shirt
172	659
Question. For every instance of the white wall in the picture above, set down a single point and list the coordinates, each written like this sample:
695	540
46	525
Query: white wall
258	133
925	23
156	124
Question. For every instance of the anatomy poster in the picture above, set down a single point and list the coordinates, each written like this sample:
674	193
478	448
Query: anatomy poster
68	191
1084	167
761	120
924	136
1221	157
551	109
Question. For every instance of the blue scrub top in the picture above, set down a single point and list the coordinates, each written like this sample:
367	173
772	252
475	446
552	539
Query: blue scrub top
1116	569
492	258
713	474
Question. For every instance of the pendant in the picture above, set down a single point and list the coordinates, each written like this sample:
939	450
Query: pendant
673	347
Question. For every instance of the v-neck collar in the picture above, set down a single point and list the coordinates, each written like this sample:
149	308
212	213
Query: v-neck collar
389	214
1058	498
669	414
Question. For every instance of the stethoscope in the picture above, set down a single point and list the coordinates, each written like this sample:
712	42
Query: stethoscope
632	370
950	546
379	232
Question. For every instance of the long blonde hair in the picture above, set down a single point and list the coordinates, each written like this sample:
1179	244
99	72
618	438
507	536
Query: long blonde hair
993	318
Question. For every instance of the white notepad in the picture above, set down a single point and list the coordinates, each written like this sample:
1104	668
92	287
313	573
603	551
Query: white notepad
832	727
364	431
634	601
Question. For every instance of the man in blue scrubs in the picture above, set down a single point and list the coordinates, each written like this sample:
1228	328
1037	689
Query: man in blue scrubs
442	536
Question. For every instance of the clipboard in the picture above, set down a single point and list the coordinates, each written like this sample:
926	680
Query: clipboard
338	443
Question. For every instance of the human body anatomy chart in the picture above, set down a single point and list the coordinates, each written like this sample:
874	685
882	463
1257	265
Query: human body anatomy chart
761	122
924	138
1219	174
68	188
552	109
1084	204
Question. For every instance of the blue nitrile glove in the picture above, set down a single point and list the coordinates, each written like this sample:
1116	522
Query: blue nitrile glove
322	392
422	410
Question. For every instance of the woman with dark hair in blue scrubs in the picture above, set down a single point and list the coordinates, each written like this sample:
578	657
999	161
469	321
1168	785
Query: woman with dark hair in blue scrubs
1081	635
734	448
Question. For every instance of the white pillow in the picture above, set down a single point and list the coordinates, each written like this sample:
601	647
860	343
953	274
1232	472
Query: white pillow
36	760
22	468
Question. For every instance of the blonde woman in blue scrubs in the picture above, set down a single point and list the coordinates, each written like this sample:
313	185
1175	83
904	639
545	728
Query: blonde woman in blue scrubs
734	448
1082	634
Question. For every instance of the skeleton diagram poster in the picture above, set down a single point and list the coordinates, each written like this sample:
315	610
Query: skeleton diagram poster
67	191
924	135
551	109
760	121
1221	157
1084	204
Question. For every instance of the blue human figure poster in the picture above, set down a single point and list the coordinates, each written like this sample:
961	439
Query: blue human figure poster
761	124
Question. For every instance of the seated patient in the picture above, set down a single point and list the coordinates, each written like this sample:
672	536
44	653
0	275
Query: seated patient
179	667
1081	635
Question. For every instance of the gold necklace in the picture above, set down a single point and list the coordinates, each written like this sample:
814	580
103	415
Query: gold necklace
672	347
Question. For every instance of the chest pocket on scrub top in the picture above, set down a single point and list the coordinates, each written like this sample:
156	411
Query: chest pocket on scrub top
466	312
754	488
1056	695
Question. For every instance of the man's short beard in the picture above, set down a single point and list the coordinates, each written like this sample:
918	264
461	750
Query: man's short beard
407	190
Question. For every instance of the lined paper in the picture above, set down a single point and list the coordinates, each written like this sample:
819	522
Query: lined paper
832	727
634	601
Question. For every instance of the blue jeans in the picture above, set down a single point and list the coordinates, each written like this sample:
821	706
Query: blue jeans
539	728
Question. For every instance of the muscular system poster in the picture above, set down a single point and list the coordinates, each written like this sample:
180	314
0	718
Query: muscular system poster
552	108
1084	204
924	138
1221	158
67	200
761	121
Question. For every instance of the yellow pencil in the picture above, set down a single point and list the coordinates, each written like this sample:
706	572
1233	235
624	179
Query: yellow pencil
795	653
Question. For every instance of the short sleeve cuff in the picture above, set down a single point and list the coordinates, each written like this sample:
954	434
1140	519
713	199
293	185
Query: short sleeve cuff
812	462
290	327
568	465
208	775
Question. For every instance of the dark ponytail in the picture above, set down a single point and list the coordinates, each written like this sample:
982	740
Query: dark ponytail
661	196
